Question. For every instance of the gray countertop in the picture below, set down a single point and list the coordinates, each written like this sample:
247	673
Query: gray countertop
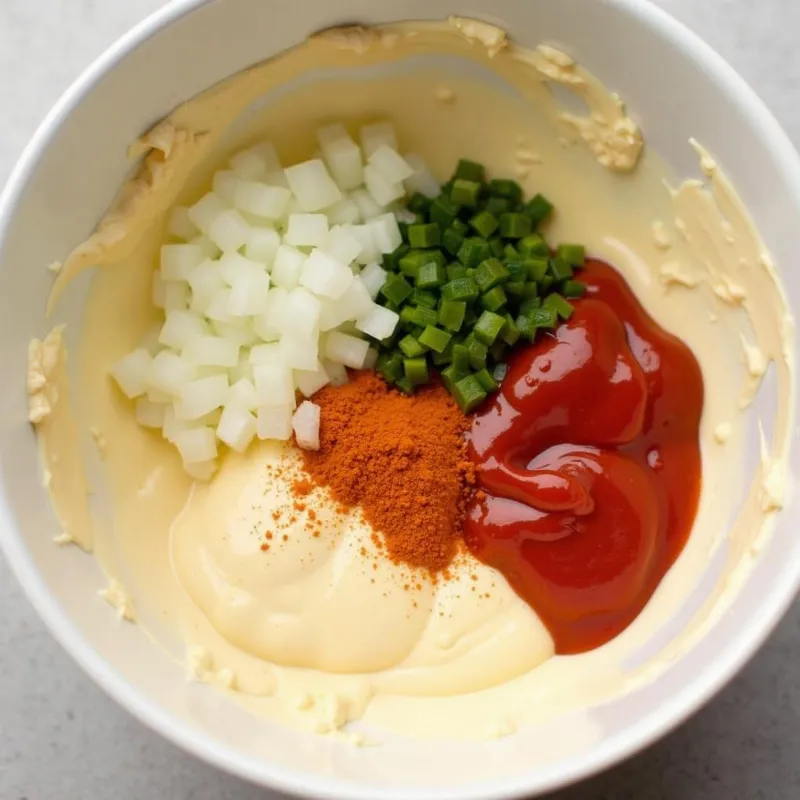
61	737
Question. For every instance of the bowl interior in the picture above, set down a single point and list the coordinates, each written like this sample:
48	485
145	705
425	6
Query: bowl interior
70	174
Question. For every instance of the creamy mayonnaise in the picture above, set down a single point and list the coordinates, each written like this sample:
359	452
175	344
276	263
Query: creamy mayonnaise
299	630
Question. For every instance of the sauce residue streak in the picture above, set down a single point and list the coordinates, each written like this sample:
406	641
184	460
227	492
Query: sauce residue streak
589	464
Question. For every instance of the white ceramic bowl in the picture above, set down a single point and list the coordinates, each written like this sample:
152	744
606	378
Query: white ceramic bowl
66	178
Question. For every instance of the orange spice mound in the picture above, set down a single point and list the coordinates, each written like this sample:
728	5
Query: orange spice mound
402	460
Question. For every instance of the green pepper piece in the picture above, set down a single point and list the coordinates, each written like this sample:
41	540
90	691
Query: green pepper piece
411	347
539	207
468	393
470	171
573	289
473	250
435	338
431	275
515	225
487	382
488	327
501	187
494	299
556	303
573	254
490	273
465	193
396	288
460	289
416	370
451	314
427	235
484	223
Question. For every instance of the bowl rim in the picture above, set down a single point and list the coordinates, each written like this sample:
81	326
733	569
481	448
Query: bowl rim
635	737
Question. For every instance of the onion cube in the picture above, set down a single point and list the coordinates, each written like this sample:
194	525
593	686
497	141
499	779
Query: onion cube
149	414
181	225
243	393
196	444
169	373
262	245
386	233
372	358
342	244
390	164
312	185
342	155
287	266
176	296
201	470
345	349
366	204
179	260
369	248
249	294
211	351
373	276
242	371
269	324
375	135
224	186
210	250
242	334
354	303
219	308
249	165
158	293
267	151
305	424
299	353
422	180
132	372
229	231
382	190
202	396
274	385
205	282
237	427
311	381
269	353
275	422
180	327
345	212
324	275
301	314
306	230
337	373
261	199
234	266
378	322
205	211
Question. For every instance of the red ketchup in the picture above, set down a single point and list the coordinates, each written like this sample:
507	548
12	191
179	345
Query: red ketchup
589	465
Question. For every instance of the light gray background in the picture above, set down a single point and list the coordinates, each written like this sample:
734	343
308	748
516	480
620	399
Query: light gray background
61	737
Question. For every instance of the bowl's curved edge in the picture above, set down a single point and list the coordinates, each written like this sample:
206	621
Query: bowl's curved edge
188	738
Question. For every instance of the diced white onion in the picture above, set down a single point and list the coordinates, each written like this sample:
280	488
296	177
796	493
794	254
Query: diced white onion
196	444
345	212
269	353
243	393
354	303
202	396
369	248
178	261
205	211
342	244
241	334
249	165
224	186
342	155
211	351
371	359
229	231
299	353
373	276
345	349
301	315
176	296
366	204
262	245
312	185
149	414
219	308
132	372
337	373
305	423
209	249
261	199
375	135
386	233
249	294
382	190
269	324
306	230
181	225
390	164
275	422
237	427
205	282
274	385
422	180
169	373
378	322
286	267
180	327
324	275
311	381
201	470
